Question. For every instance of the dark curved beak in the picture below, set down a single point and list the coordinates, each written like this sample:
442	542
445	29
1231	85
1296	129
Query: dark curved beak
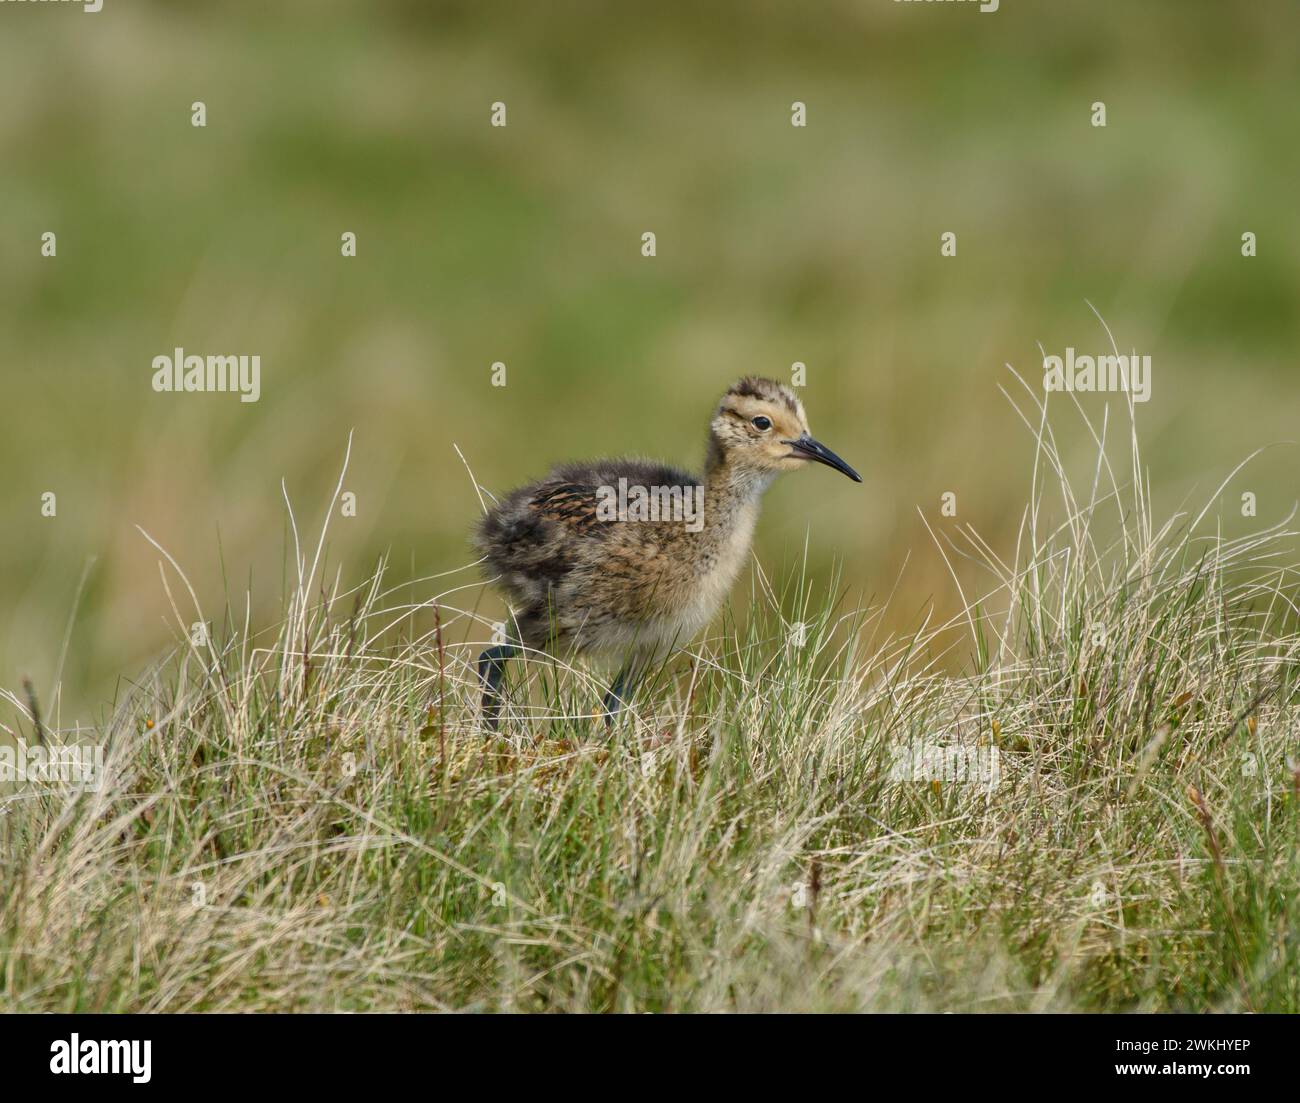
807	448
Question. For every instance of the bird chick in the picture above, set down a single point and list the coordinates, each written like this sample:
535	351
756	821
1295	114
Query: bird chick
631	558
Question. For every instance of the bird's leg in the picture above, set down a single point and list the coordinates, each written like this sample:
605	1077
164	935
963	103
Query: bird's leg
491	669
621	691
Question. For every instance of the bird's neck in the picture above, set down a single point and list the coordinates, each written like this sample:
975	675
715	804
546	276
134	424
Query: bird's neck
731	491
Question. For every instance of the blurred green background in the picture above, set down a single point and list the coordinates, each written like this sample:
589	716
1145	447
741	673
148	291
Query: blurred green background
522	245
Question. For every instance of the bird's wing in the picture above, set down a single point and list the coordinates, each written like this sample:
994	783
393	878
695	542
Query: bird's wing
570	505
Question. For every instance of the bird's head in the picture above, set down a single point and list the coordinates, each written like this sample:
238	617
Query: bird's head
760	426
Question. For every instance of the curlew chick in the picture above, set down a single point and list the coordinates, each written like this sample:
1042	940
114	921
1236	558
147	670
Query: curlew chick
628	557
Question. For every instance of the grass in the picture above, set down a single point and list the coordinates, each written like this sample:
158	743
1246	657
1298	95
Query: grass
311	818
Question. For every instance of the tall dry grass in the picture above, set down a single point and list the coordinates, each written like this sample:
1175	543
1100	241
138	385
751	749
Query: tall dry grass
311	818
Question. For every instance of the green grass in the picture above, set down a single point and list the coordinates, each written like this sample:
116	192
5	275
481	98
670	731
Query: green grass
744	840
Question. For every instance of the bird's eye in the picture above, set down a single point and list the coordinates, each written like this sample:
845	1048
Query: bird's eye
761	423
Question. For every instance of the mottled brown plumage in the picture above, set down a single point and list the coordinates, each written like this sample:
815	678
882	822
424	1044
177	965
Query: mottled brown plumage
579	579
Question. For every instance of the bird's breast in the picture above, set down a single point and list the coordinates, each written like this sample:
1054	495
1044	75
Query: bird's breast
648	587
702	577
